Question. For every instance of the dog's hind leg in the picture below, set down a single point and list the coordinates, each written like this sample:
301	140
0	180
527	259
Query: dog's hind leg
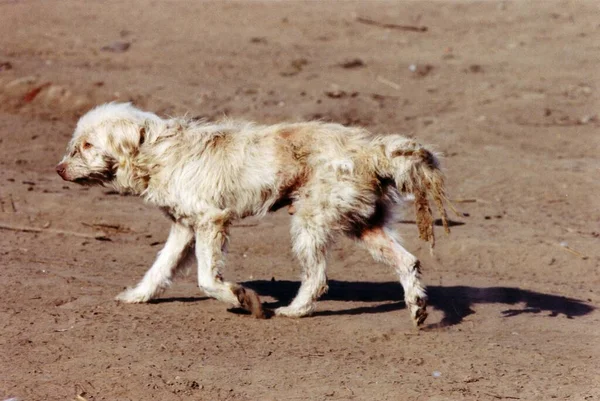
211	243
383	245
158	277
310	241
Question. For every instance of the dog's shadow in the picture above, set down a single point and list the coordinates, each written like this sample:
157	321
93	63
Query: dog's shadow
455	302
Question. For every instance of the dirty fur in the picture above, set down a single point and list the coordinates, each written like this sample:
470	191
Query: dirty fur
333	179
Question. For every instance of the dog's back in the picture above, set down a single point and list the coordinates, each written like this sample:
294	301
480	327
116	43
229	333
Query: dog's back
252	169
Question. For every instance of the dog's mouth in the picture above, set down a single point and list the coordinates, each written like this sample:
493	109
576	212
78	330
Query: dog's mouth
95	178
89	181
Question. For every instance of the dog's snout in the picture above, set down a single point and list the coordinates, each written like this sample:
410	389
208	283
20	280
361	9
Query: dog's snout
61	169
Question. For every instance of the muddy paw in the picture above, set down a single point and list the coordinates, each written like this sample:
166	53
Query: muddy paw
419	311
250	301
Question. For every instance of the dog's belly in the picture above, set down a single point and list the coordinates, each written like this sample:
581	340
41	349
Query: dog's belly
272	197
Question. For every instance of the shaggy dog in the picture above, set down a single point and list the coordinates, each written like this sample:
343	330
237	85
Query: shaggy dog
333	179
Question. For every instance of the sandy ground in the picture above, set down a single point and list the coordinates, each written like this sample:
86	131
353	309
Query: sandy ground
509	91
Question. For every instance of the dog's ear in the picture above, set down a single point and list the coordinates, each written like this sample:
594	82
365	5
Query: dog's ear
142	135
126	138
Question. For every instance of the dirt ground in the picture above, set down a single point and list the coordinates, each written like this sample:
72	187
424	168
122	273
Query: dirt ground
508	91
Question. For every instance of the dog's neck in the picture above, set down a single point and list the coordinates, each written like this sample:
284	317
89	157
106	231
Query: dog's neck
133	172
135	169
131	177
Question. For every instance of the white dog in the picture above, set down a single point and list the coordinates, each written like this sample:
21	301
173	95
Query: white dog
334	179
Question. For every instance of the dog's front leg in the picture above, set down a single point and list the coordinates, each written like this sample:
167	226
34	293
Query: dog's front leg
211	244
159	276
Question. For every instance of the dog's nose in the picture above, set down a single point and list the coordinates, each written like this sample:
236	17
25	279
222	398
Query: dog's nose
61	170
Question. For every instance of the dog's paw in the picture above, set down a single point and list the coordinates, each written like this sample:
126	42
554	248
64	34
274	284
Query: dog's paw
289	311
418	311
133	296
250	301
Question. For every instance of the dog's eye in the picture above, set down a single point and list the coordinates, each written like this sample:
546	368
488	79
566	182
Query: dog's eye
87	145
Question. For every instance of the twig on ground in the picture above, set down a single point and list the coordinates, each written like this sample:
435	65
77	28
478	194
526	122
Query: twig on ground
62	330
437	222
572	251
508	397
451	206
79	393
464	200
103	225
559	122
378	96
349	389
12	203
412	28
389	83
107	226
98	236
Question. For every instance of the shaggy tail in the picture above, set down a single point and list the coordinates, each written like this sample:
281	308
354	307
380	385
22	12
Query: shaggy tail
416	171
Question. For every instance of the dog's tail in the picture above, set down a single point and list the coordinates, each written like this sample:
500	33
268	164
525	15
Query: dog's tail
415	170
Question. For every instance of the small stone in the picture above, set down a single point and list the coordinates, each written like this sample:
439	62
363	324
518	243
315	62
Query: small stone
336	94
420	70
354	63
299	63
475	68
5	66
116	47
587	119
258	40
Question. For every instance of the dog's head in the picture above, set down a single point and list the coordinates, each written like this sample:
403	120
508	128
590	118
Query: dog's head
105	140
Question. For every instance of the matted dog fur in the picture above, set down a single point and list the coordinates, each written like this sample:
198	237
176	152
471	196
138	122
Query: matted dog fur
334	179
